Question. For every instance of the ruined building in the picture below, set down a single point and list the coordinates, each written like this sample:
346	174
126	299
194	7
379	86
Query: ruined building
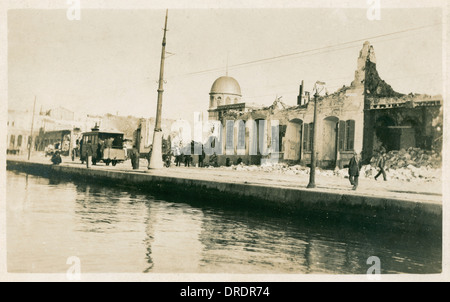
362	117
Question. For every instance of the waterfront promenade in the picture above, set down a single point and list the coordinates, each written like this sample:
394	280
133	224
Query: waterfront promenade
428	192
392	198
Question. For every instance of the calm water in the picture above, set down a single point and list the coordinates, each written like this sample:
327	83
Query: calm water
114	230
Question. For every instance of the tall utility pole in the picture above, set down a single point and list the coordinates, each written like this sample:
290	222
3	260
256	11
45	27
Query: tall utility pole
312	172
155	161
31	133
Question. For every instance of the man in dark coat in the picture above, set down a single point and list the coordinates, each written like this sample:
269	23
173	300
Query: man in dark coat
353	170
134	156
187	160
201	158
56	158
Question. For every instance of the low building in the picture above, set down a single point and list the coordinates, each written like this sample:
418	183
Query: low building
364	117
19	135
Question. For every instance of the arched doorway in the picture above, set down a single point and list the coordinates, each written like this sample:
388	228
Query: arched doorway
329	141
387	133
293	140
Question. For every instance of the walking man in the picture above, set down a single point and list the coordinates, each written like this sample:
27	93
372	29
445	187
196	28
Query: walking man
381	162
353	170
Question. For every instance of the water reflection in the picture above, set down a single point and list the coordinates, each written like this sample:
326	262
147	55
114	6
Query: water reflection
246	242
173	237
114	230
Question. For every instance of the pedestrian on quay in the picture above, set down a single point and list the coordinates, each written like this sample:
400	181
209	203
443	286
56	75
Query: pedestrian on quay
134	157
381	163
89	154
201	158
187	160
100	148
178	156
149	154
56	158
167	158
353	170
81	148
213	160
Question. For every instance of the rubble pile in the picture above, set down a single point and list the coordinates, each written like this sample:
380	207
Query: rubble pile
410	173
409	165
412	164
280	168
415	157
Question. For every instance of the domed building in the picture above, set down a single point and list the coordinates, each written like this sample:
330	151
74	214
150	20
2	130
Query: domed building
364	117
225	95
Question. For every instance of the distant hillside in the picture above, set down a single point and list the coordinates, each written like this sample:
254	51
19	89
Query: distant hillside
129	124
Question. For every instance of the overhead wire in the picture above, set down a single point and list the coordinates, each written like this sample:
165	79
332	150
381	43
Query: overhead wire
312	50
295	55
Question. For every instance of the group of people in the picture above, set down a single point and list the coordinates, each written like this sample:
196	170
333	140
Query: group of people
187	158
355	165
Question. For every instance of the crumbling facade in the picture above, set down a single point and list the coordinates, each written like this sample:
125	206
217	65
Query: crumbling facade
364	117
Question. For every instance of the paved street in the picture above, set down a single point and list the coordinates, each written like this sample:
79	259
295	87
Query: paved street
415	191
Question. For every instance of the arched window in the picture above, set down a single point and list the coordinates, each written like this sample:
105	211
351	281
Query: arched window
262	136
219	101
228	100
308	137
229	145
19	141
12	141
241	135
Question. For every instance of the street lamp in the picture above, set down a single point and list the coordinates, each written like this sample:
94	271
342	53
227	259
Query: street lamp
155	161
318	87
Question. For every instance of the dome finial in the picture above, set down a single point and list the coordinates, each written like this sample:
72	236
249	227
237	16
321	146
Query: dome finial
226	70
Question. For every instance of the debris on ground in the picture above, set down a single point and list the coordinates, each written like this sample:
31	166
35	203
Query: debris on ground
412	164
413	157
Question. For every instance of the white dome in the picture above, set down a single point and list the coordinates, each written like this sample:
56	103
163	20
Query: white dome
226	85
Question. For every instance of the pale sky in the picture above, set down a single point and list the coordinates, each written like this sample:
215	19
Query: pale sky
108	62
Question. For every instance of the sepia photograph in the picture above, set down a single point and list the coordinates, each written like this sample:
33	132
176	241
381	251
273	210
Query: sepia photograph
223	141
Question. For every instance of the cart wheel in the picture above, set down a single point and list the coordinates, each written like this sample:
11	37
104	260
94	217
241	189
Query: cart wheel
114	162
